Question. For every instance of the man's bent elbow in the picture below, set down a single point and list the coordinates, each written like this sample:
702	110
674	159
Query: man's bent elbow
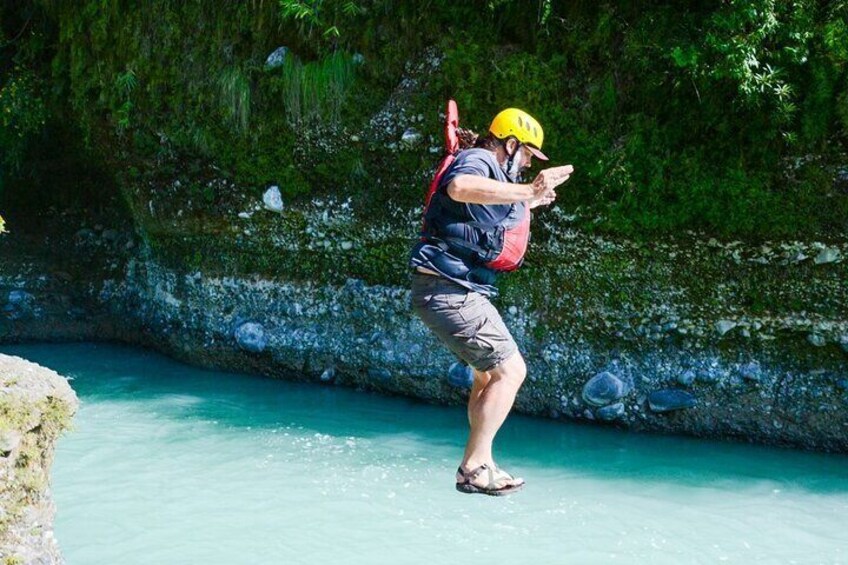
455	191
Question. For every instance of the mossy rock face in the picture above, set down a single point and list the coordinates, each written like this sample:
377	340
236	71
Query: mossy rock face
36	406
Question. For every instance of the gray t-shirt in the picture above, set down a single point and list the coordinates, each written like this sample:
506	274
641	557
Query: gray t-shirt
481	279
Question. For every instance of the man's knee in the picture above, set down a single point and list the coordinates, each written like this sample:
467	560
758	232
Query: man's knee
513	369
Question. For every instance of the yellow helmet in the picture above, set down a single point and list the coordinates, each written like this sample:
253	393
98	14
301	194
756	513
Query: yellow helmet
525	128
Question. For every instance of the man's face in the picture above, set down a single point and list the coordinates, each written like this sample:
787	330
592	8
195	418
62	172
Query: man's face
524	157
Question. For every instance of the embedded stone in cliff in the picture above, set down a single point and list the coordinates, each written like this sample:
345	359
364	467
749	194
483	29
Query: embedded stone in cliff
724	326
21	298
827	255
750	371
687	377
84	234
603	388
817	339
19	306
460	375
250	336
277	58
379	373
273	200
328	375
411	136
669	399
611	412
840	181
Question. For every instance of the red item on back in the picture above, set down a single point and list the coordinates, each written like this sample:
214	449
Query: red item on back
451	149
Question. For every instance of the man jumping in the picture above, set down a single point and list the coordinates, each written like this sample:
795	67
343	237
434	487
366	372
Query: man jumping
477	224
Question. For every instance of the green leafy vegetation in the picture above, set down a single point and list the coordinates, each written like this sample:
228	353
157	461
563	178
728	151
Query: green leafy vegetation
729	118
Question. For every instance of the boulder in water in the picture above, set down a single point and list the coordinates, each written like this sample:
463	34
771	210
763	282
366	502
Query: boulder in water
669	399
603	389
460	375
250	336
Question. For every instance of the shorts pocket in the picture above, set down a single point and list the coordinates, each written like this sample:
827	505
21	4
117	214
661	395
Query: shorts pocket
449	301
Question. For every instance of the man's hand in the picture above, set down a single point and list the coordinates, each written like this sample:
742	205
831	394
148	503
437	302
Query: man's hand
545	183
542	201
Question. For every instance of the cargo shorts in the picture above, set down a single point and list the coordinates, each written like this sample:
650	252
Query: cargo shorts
464	320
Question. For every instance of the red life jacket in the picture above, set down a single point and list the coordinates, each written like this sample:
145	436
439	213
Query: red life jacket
498	246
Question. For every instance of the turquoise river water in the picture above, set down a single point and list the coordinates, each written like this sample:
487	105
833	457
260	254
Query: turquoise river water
170	464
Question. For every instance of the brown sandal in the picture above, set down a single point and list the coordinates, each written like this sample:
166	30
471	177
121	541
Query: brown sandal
491	488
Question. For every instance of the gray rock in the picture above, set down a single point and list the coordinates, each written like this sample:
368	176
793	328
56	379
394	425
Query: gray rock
603	388
827	255
328	375
411	136
460	375
294	309
669	399
724	326
273	200
276	58
686	378
843	342
840	181
611	412
751	371
250	336
588	414
9	441
85	234
379	373
19	306
21	298
817	339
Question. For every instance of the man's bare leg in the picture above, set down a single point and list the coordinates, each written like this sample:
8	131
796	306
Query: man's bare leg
489	406
481	379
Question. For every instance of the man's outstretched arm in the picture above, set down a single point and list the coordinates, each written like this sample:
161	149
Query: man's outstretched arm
481	190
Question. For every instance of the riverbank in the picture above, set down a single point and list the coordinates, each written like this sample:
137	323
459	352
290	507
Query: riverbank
705	338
